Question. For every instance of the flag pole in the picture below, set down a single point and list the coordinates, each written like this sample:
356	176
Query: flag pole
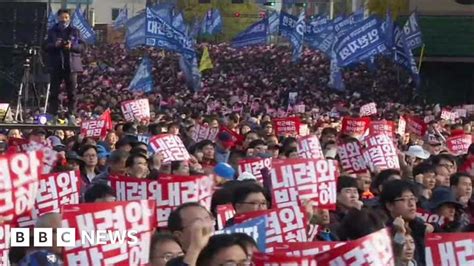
421	57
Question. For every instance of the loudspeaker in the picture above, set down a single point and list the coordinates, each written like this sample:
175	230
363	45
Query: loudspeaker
22	23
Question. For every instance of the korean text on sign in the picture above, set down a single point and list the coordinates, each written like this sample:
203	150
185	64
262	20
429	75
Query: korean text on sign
202	132
136	110
18	183
94	128
415	125
459	144
54	191
350	156
118	218
449	249
170	146
373	249
255	166
368	109
296	179
381	153
224	213
355	127
382	127
305	248
287	126
4	244
310	148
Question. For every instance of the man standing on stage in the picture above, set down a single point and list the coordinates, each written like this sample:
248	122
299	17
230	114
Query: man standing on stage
64	52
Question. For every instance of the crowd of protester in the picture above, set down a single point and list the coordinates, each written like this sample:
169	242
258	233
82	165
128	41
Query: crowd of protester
243	92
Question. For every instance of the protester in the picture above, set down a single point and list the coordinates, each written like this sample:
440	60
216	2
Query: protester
164	247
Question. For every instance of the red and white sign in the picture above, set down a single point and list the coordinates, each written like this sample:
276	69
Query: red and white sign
429	217
304	249
448	115
4	244
136	110
287	126
202	132
355	127
460	112
380	153
255	166
416	125
18	183
54	191
170	146
237	138
296	179
169	192
265	259
449	249
368	109
458	145
118	217
350	156
373	249
310	148
382	127
401	128
48	154
299	108
287	224
96	128
224	213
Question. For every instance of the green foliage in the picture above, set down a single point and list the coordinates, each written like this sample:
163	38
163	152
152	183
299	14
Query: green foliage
380	7
232	25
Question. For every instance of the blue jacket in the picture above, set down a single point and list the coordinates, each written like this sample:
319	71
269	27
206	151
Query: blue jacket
59	58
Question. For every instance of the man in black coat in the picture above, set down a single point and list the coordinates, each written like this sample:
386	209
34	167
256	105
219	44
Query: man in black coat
64	47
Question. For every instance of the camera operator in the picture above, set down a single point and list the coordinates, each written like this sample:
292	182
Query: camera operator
64	47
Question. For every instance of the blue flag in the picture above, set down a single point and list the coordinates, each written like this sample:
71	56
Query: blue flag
255	228
195	29
190	68
142	81
345	24
388	30
413	32
178	23
335	77
52	18
212	23
85	29
273	21
164	11
287	24
403	54
297	39
255	34
315	27
122	18
364	41
135	33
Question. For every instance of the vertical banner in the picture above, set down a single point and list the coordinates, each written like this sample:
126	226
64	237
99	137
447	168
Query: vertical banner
380	153
136	110
351	158
449	249
170	146
18	183
120	219
310	148
4	244
311	179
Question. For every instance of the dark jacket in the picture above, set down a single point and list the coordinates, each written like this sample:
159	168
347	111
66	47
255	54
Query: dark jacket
59	58
418	229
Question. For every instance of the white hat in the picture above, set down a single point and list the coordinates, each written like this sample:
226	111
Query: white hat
417	151
246	176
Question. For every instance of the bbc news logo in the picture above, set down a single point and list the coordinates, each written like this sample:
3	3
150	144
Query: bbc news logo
66	237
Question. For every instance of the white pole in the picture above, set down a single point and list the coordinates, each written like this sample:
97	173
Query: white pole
331	9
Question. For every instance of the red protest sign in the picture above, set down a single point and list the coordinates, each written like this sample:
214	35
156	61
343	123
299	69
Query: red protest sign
449	249
305	248
448	115
4	244
202	132
237	138
264	259
296	179
368	109
350	156
169	192
135	110
18	183
373	249
21	145
96	128
355	127
170	146
120	219
286	224
458	145
255	166
382	127
224	213
415	125
287	126
107	117
54	191
429	217
380	153
310	148
402	124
